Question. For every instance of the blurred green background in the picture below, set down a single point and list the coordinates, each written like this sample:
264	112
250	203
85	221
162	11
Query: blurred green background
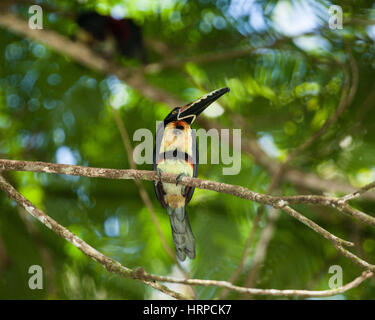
54	109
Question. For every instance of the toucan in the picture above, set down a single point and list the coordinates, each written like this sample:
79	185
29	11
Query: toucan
176	152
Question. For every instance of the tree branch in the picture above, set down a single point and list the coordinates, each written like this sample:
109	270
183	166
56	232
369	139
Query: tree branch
110	264
238	191
89	58
153	280
235	190
272	292
359	192
209	57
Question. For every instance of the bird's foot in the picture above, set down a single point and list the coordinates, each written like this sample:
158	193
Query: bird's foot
178	179
158	170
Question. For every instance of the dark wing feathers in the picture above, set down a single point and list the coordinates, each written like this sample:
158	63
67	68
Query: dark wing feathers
158	186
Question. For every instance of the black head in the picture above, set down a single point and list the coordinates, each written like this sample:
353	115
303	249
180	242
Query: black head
192	110
94	23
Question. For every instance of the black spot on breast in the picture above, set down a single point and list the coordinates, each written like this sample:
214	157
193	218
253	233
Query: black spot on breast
179	127
177	132
175	153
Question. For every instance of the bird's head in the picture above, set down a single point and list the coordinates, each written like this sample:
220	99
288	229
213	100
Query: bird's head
192	110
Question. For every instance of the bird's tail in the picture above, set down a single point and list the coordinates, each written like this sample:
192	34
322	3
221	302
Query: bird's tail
182	234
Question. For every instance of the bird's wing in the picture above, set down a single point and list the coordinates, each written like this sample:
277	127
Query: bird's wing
190	190
158	186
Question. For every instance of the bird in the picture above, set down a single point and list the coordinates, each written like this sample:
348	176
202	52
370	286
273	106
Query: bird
176	152
122	35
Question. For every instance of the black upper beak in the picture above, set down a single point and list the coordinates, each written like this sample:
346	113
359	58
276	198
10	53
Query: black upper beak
195	108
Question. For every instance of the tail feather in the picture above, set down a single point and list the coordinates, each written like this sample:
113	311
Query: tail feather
182	234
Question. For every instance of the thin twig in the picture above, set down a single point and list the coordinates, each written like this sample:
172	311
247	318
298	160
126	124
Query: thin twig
359	192
347	96
233	278
262	246
272	292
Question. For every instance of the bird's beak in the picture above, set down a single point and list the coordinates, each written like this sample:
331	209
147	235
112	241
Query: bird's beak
195	108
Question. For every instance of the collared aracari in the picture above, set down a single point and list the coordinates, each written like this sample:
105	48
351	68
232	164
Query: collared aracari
176	152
